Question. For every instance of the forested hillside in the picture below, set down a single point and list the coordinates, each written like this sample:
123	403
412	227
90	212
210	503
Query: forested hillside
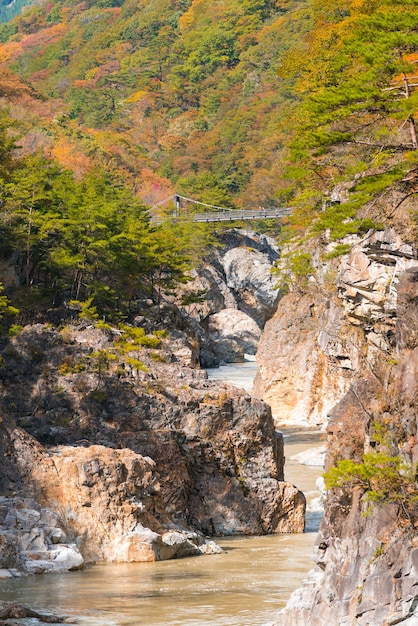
182	95
87	238
355	123
251	103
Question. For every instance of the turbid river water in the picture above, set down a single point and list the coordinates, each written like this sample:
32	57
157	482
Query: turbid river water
244	586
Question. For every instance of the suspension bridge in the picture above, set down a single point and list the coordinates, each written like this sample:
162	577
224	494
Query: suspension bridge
185	207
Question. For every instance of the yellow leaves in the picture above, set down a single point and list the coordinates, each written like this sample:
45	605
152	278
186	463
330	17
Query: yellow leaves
65	14
172	142
188	18
357	4
138	95
9	51
271	28
317	64
68	154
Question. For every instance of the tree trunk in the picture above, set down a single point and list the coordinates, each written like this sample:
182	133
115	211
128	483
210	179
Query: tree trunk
413	132
411	121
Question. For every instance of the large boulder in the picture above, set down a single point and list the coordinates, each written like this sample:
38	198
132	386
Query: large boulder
248	275
232	334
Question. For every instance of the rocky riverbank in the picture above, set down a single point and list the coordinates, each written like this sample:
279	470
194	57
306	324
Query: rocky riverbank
128	454
342	355
10	612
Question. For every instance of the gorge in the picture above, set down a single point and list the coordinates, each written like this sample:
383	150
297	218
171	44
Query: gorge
115	447
248	583
114	437
89	451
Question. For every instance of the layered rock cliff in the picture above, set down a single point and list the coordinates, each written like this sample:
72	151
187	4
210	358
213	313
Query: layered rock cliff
367	554
110	457
344	354
321	338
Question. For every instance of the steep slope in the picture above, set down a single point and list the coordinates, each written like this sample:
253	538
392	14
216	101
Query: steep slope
366	552
181	95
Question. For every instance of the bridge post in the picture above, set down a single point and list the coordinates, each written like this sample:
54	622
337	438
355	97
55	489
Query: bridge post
177	205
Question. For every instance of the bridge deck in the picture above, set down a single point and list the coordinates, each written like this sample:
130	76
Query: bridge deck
229	215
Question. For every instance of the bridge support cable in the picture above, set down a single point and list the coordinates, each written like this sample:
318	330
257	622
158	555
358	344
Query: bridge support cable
217	213
209	206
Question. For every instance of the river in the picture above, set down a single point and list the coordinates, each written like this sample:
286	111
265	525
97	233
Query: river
244	586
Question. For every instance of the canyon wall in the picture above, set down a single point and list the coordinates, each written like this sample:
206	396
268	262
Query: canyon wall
321	338
106	457
237	296
347	359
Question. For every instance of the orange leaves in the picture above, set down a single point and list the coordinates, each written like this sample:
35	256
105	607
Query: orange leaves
153	188
68	154
411	58
275	27
44	37
82	84
10	51
11	86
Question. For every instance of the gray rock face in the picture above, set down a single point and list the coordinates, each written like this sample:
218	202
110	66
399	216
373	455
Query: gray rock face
209	281
232	334
239	278
248	275
369	276
366	578
33	539
366	554
317	342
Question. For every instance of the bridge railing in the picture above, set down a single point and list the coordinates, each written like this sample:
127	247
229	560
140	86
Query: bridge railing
227	215
240	214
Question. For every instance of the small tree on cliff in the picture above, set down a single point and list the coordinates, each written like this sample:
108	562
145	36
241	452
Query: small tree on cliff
386	478
7	311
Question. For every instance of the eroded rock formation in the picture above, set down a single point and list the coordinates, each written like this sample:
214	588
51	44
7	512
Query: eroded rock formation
102	461
319	340
366	569
238	296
